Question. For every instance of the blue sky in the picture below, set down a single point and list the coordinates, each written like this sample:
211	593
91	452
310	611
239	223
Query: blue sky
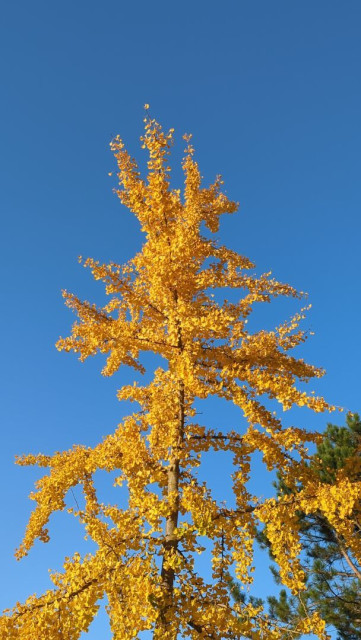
271	92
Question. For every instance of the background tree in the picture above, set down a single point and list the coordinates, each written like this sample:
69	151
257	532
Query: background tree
162	302
333	571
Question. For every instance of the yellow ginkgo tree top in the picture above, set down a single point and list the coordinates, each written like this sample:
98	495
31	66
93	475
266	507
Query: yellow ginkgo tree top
162	302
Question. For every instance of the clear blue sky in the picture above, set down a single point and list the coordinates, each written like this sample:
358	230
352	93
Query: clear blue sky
271	92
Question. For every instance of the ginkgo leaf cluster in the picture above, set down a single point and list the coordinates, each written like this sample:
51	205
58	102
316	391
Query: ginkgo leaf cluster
162	301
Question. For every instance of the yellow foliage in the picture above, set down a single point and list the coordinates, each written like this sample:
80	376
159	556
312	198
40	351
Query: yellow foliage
161	301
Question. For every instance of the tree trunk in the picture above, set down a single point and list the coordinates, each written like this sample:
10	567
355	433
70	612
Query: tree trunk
164	623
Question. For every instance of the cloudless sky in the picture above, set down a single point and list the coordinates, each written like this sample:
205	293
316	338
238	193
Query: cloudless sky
271	92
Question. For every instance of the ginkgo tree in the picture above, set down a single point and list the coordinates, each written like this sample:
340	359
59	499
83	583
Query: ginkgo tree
162	302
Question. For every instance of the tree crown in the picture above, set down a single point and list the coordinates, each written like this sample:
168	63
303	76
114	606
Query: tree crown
162	301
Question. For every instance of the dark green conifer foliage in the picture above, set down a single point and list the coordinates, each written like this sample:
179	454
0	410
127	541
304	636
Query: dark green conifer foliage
334	576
